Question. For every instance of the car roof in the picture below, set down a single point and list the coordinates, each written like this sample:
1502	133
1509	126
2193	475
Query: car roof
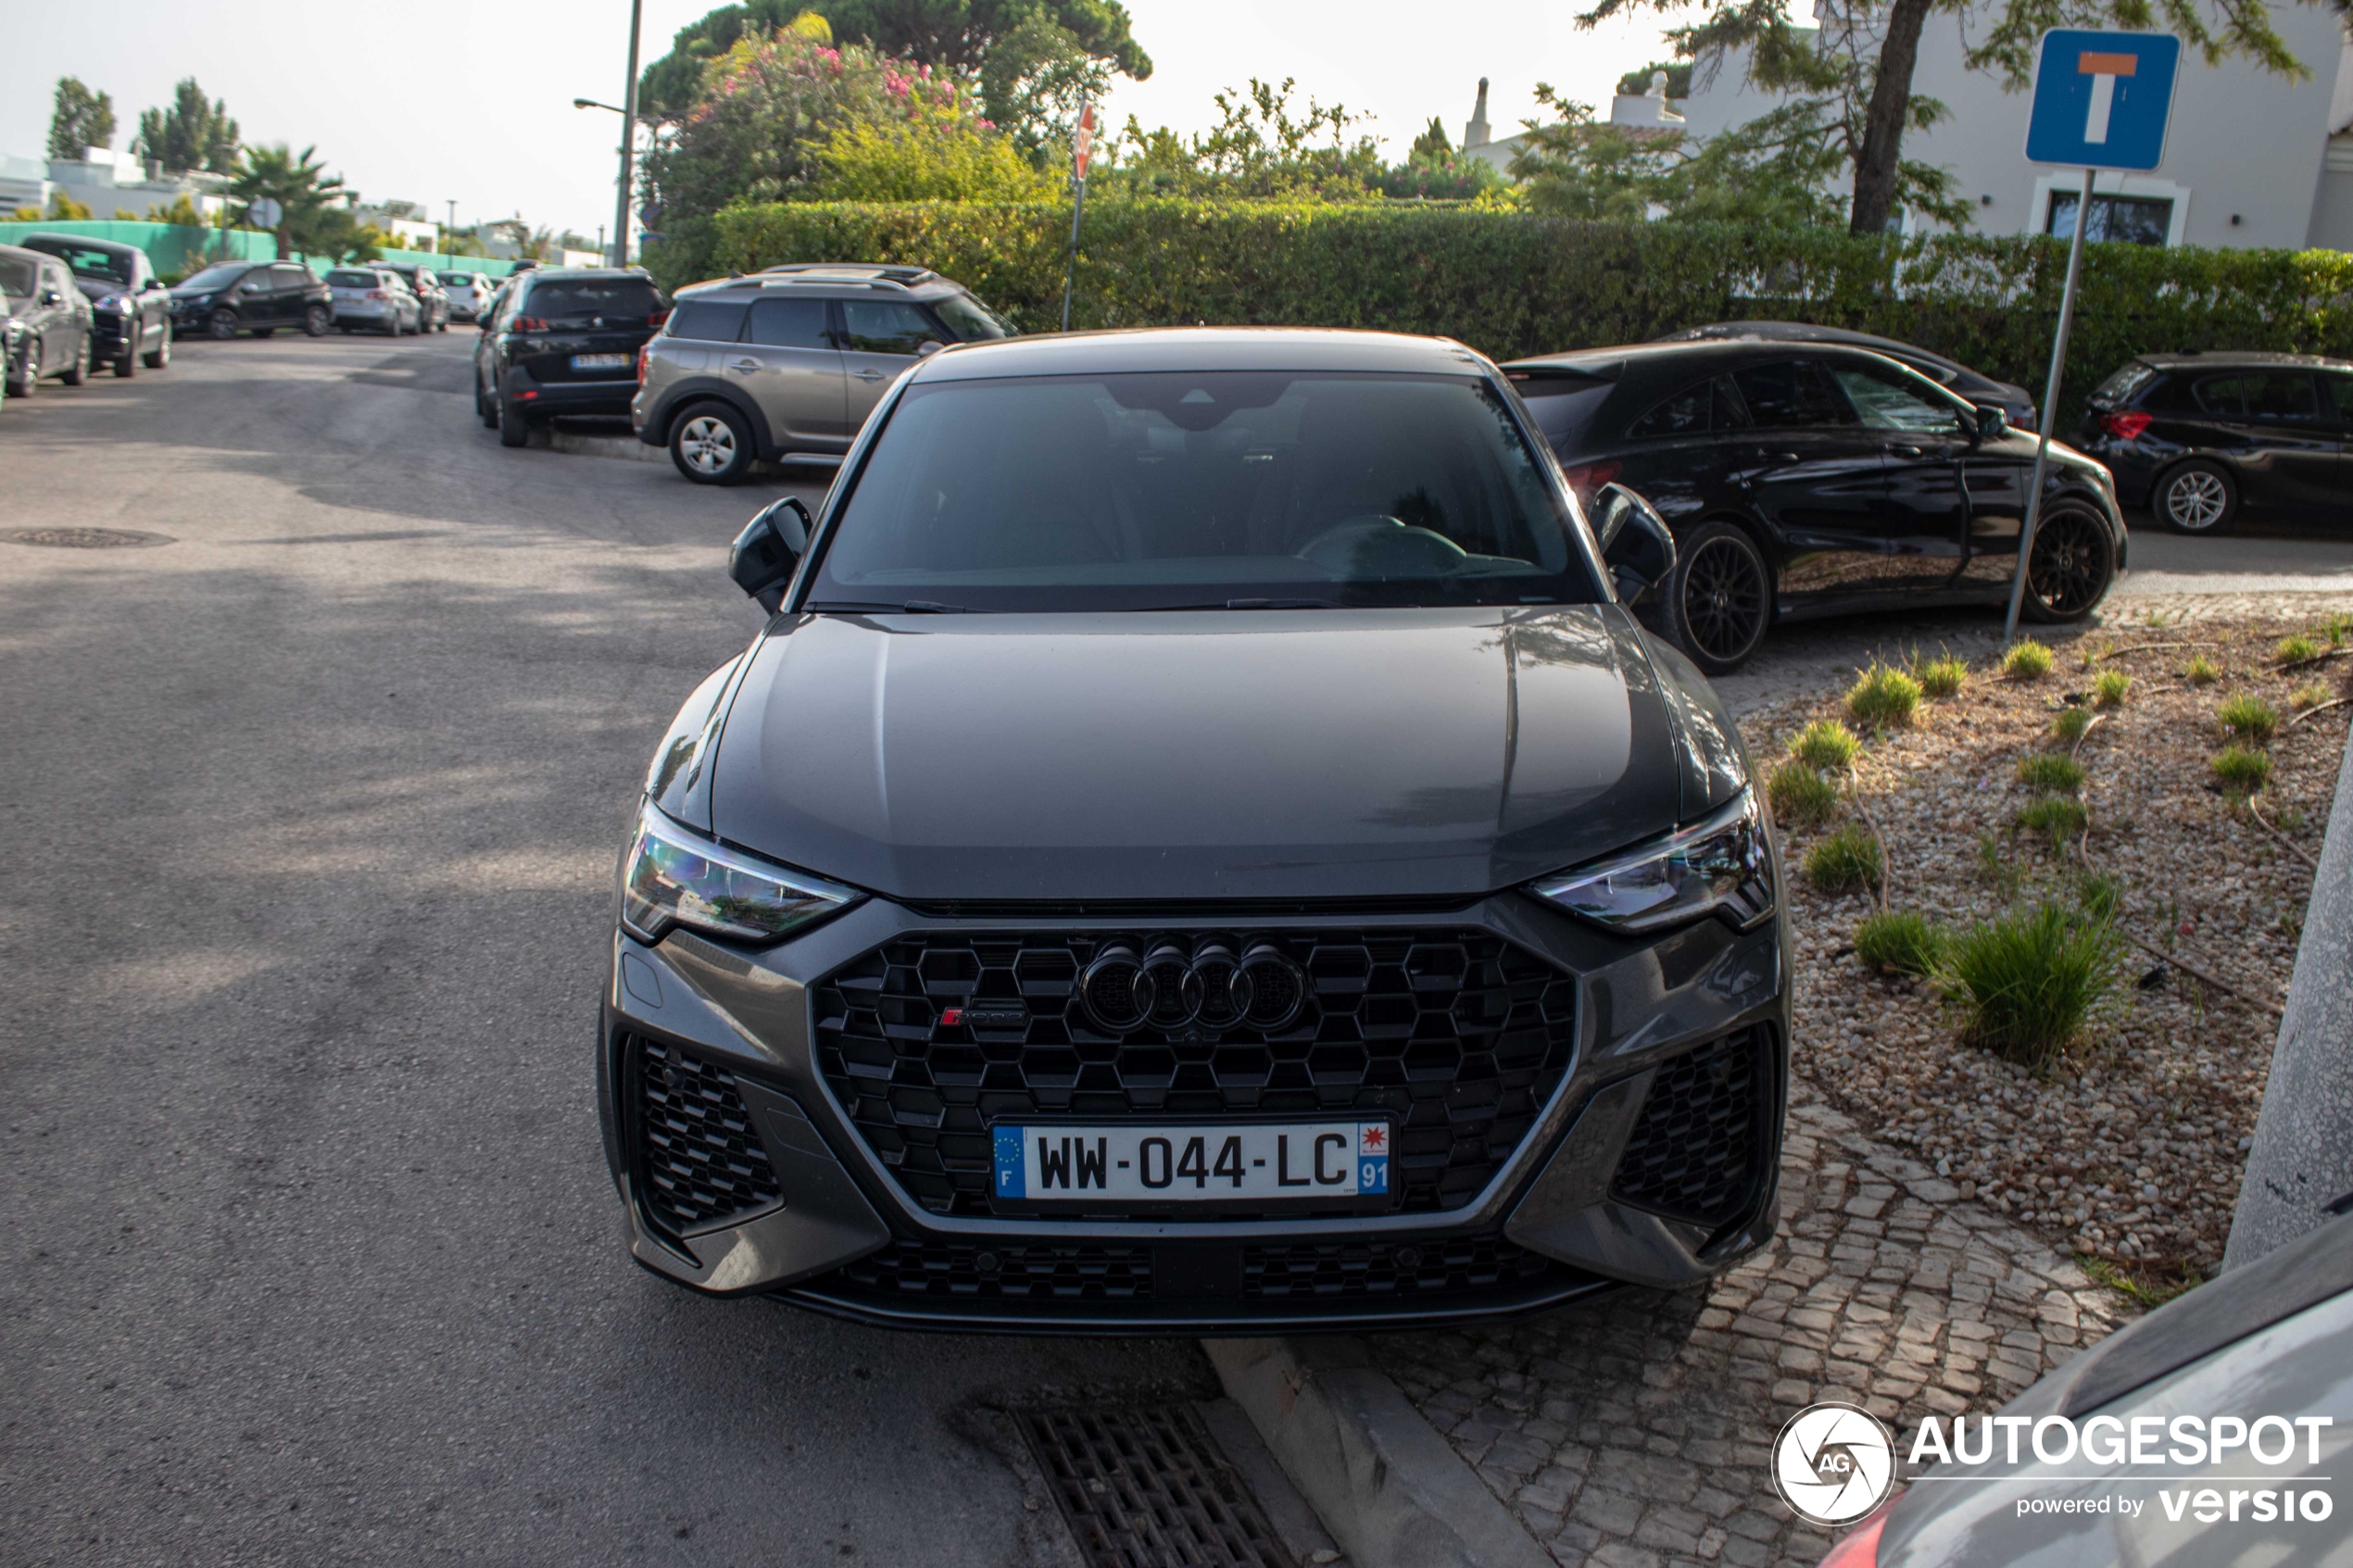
2224	359
912	281
1199	349
1698	356
1805	332
23	255
84	241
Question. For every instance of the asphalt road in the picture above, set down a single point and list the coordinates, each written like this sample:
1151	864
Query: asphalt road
309	1252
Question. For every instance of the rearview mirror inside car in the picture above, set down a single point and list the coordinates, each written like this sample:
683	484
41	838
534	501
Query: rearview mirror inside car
768	551
1635	543
1993	420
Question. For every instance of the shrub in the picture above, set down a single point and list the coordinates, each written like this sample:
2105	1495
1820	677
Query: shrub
2242	769
2249	718
2061	775
2028	982
2109	689
1900	941
2309	697
2026	660
2294	648
2071	723
1826	744
2201	671
2337	627
1883	697
2100	896
2058	817
1942	677
1801	796
1847	862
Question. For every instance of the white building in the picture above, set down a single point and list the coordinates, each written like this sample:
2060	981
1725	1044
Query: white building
1652	110
2251	158
107	183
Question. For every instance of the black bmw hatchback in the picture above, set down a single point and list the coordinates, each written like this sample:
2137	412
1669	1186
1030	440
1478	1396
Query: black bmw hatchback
1805	478
2204	439
1198	846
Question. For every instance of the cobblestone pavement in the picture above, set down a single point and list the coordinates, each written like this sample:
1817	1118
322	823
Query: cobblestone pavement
1631	1432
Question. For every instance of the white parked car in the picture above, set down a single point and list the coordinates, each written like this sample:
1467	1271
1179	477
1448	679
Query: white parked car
469	292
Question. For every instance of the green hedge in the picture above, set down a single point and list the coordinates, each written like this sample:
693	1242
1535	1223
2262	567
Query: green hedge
1511	284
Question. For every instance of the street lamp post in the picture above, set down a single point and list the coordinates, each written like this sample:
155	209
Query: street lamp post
628	144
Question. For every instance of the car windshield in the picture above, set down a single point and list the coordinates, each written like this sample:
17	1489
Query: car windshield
566	299
214	277
970	320
103	266
1200	490
343	278
16	276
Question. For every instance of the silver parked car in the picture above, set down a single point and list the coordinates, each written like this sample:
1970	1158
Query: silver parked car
786	365
374	297
469	293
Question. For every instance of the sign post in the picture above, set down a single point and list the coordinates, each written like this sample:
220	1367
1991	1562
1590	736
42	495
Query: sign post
2102	100
1082	147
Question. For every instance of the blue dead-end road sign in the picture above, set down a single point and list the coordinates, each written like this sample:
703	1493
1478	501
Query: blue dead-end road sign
2101	99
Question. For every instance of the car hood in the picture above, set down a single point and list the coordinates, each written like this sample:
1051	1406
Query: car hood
1314	754
92	288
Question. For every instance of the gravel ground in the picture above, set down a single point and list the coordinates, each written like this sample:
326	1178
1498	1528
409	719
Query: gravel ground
2132	1148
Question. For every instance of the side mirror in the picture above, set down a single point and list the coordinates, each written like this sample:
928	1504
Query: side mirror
50	296
1635	543
925	349
1993	421
768	552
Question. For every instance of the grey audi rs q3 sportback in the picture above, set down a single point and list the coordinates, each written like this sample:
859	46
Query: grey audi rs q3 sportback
1199	845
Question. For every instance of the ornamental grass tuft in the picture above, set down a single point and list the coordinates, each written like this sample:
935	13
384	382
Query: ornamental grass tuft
2059	775
2109	689
2249	718
2241	770
2056	817
1900	942
1826	745
1801	796
2294	648
2026	660
1847	862
2028	982
2201	671
1942	677
1883	697
2071	723
2309	697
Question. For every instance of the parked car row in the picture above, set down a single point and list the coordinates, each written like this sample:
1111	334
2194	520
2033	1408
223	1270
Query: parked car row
70	306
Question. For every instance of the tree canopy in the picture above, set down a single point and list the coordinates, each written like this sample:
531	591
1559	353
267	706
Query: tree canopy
313	213
190	132
81	118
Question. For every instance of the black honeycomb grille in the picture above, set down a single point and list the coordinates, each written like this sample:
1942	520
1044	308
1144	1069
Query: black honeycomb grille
1420	1270
701	1162
1694	1154
1460	1035
1064	1273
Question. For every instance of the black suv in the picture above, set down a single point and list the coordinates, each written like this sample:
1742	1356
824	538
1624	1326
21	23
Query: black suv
2199	438
1806	479
563	341
128	304
252	296
1198	845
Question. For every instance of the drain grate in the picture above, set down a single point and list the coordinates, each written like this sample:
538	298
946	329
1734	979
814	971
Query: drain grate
84	538
1147	1488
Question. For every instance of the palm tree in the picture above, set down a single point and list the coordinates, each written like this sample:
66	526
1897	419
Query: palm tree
300	184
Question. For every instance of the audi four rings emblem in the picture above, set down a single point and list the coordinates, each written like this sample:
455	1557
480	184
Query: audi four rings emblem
1169	985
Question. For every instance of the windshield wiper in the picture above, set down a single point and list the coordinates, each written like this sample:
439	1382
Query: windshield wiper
1258	604
901	606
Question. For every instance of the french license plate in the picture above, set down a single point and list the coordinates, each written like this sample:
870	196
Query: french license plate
1309	1164
601	361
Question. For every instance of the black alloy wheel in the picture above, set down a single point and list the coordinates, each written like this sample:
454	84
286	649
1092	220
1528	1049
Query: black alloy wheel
2197	497
160	357
27	380
126	364
314	321
222	324
512	428
1719	598
78	372
2073	561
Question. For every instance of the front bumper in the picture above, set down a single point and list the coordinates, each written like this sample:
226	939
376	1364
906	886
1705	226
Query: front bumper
819	1215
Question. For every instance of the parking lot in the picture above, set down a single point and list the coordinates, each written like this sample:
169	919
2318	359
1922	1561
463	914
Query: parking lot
312	1256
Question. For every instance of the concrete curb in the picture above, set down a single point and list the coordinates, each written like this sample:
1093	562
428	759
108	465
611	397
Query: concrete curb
1391	1491
2303	1152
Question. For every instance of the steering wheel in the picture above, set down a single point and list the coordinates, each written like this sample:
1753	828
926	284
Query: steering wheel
1373	545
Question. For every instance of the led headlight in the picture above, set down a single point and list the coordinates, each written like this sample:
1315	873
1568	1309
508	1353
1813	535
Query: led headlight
1721	865
676	878
110	304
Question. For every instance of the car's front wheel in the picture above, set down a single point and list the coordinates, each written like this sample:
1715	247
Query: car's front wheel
314	321
222	324
712	444
126	364
78	372
1718	600
2199	497
26	381
160	357
2073	563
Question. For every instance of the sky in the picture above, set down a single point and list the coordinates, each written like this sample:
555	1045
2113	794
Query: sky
472	103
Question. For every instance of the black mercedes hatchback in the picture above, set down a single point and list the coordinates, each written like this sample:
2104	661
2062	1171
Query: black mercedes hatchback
1199	845
1805	478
